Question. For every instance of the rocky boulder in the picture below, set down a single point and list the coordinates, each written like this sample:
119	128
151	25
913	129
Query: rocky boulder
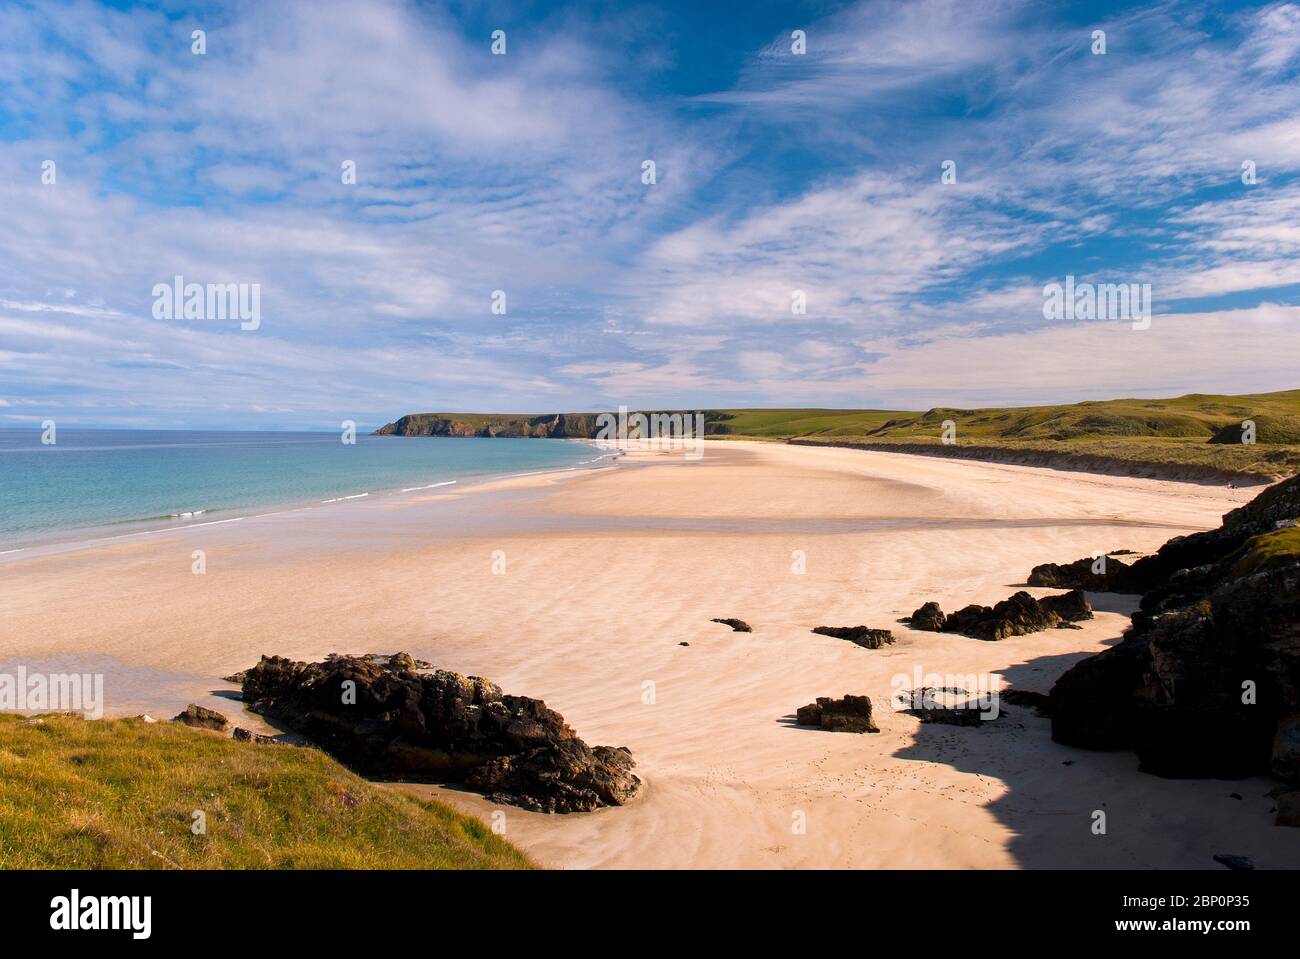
1115	575
1018	615
852	714
737	625
928	617
389	716
201	717
248	736
861	635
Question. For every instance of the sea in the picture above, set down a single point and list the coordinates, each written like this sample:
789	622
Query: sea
127	480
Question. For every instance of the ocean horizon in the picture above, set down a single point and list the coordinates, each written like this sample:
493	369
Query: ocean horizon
97	479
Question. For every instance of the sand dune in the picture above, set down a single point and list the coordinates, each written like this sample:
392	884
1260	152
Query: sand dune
606	572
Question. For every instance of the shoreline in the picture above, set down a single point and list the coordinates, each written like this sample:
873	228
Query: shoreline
73	538
607	572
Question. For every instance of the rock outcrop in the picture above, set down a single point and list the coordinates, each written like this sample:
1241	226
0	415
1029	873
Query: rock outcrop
248	736
392	717
737	625
861	635
1206	682
928	617
851	714
200	717
1018	615
1115	575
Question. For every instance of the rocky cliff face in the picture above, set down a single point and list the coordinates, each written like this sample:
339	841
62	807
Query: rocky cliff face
542	426
1206	682
548	426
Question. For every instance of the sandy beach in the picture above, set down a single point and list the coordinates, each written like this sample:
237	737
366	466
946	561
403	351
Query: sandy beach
607	572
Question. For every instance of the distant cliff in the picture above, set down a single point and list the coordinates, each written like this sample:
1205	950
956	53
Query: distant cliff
541	426
553	425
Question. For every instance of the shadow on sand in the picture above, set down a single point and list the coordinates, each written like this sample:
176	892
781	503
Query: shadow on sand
1054	792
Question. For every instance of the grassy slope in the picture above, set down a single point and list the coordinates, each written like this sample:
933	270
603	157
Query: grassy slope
120	794
1197	432
1269	550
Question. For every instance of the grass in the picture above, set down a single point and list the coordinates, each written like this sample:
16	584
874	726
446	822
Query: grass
1262	462
787	424
1198	432
120	794
1269	551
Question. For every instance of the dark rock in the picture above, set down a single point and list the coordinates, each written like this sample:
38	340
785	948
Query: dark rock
440	726
861	635
1197	551
928	705
236	678
810	715
576	777
1017	615
929	618
852	714
1210	626
1071	607
739	625
403	661
1234	862
1234	795
950	715
1288	809
1114	578
201	717
248	736
683	644
1286	750
1041	703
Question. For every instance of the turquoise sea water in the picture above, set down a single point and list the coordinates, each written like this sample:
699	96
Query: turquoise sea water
126	479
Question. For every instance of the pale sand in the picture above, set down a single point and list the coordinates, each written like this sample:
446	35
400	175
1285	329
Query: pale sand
608	571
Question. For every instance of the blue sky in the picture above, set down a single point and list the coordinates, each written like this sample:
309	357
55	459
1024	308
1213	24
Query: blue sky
775	172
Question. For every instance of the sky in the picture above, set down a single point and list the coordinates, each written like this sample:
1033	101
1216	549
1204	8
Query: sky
524	172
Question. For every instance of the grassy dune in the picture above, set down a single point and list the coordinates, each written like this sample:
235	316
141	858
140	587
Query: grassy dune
1198	434
121	794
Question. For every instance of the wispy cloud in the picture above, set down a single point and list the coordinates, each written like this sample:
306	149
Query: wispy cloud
817	173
